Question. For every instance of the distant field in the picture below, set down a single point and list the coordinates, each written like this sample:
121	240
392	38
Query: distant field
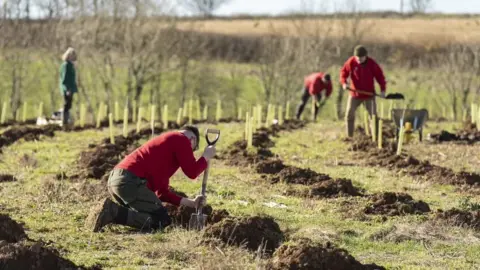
420	31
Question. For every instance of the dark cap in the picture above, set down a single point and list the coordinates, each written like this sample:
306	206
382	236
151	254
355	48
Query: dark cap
195	131
327	77
360	51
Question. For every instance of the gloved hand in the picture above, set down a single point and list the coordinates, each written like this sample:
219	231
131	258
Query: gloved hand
195	203
200	201
382	94
345	86
209	152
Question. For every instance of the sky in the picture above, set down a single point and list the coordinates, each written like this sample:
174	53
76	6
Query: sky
275	7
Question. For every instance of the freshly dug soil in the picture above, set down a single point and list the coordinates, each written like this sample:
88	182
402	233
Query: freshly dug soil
99	161
464	136
13	122
10	230
412	166
252	232
306	255
334	188
14	134
7	178
181	215
271	166
261	139
17	252
104	157
294	175
291	124
238	155
395	204
460	218
30	255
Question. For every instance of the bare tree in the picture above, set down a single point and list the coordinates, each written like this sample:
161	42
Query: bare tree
203	7
420	6
460	66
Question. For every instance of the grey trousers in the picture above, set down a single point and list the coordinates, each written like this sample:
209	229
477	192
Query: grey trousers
352	105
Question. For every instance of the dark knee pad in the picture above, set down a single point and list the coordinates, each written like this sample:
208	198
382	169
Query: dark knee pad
160	218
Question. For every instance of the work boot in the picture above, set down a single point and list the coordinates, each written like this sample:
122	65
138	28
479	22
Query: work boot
102	214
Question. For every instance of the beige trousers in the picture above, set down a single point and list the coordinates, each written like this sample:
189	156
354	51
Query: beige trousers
352	106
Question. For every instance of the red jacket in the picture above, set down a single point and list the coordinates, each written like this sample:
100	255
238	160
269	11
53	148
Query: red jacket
158	159
362	76
315	84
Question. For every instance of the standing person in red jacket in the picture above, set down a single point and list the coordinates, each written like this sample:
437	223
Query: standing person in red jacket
313	86
362	71
140	182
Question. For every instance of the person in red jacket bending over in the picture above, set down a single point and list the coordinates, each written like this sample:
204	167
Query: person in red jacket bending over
140	182
362	71
314	84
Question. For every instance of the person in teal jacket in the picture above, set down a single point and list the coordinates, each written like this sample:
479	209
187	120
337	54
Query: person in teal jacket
68	83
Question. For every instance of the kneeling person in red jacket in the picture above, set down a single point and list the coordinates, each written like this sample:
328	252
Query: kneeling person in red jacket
314	84
140	182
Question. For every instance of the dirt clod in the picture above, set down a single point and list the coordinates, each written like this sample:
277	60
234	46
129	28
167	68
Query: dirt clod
306	255
395	204
460	218
334	188
252	232
272	166
7	178
294	175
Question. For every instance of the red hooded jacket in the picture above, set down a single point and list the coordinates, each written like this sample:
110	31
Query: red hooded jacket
362	76
315	84
158	159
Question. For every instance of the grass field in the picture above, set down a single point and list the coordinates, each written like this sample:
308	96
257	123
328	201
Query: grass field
54	210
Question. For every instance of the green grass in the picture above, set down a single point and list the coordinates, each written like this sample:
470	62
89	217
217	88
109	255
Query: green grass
55	210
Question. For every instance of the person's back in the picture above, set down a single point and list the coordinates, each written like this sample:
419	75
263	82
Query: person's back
158	159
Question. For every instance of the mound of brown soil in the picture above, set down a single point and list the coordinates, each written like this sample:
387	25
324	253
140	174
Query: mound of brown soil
294	175
307	255
253	232
334	188
181	215
261	139
7	178
99	161
395	204
10	230
238	155
414	167
464	136
17	252
362	143
271	166
14	134
103	157
29	255
13	122
460	218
